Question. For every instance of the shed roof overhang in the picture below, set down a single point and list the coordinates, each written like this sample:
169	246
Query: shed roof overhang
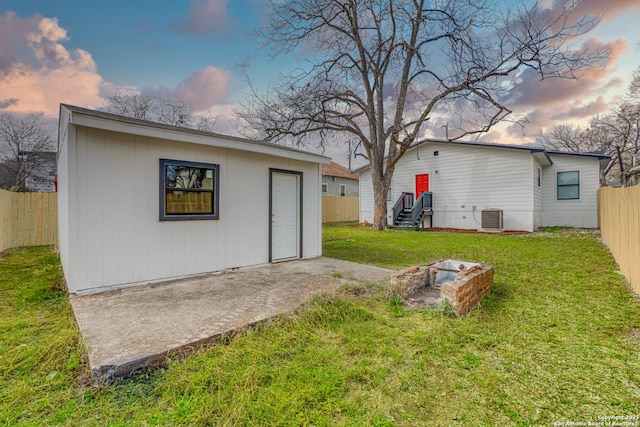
112	122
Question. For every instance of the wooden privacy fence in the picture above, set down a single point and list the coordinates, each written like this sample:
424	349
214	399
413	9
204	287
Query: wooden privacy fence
340	208
28	219
619	217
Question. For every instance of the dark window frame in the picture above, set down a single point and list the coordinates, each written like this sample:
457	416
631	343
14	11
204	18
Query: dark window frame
325	188
558	185
215	191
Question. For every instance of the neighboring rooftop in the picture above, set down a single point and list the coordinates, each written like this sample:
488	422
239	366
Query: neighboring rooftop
334	169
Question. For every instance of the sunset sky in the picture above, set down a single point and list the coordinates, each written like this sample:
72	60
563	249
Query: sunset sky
78	52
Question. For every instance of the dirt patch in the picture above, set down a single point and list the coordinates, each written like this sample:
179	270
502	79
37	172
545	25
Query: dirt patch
362	224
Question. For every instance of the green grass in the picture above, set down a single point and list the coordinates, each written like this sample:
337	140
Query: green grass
557	340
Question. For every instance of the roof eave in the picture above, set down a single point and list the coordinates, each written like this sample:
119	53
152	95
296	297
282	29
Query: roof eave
150	129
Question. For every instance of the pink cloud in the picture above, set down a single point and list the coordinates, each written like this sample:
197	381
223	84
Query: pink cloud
579	111
530	92
202	90
607	9
204	17
37	72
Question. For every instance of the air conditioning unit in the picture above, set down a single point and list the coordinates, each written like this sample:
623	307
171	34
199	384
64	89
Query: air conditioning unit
492	219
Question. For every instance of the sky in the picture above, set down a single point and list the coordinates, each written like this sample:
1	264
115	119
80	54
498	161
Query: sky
200	51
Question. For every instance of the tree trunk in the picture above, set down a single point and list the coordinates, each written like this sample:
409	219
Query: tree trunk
380	188
379	208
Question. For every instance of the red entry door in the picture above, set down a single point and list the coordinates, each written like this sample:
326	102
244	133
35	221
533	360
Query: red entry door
422	184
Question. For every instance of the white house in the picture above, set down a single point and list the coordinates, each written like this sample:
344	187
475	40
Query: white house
141	202
527	187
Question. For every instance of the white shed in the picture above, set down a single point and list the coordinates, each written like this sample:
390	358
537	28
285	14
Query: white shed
142	202
528	187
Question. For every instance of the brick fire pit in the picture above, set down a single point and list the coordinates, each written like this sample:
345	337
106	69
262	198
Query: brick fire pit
462	283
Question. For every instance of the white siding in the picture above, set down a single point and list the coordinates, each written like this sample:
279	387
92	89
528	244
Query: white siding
110	231
575	213
366	196
466	177
537	195
404	177
64	189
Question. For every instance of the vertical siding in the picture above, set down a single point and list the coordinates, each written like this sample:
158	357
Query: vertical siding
312	208
64	188
120	239
573	213
365	197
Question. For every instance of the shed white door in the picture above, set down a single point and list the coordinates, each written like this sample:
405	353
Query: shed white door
285	216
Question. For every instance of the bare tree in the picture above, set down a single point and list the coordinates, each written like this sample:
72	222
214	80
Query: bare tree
619	134
379	69
174	113
564	137
616	134
135	105
25	147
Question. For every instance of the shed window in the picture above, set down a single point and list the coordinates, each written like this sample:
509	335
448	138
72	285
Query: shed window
188	190
569	185
325	188
343	189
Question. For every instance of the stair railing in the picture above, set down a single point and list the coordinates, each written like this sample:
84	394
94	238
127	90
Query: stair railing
422	205
404	202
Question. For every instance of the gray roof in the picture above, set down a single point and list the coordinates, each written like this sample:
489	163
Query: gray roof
535	150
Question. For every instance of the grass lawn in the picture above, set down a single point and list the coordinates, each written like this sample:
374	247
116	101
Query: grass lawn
557	340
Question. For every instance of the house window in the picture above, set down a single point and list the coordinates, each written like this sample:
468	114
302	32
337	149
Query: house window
343	189
188	190
389	194
569	185
325	188
539	176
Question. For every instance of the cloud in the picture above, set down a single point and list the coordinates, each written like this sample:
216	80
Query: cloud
204	17
37	72
530	92
553	101
202	90
6	103
607	9
578	111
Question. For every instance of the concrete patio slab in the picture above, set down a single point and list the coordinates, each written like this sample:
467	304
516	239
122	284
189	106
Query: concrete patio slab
130	328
